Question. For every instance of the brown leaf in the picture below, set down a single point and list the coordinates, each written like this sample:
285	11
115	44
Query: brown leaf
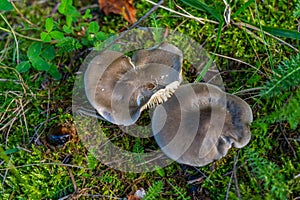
132	197
121	7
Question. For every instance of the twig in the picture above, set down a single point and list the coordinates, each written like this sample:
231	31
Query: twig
23	36
160	155
37	164
248	90
187	13
228	188
4	177
200	172
4	113
73	180
230	58
22	16
235	176
24	117
99	195
282	131
15	37
241	24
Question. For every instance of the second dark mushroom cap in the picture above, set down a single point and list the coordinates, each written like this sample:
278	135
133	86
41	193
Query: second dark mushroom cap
199	123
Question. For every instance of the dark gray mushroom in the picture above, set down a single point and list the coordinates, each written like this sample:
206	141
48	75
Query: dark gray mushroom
199	123
119	89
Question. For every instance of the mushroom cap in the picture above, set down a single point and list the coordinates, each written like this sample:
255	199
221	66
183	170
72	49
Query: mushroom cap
198	124
121	89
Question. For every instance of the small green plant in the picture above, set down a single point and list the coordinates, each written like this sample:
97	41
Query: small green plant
154	190
270	174
40	57
284	78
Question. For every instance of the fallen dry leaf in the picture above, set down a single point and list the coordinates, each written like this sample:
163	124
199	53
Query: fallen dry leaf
121	7
138	195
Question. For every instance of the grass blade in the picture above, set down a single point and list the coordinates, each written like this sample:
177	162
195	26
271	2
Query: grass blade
209	63
241	9
204	7
282	32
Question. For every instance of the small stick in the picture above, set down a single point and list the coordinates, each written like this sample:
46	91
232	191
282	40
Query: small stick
230	58
241	24
235	177
73	179
51	163
282	131
228	188
201	20
22	16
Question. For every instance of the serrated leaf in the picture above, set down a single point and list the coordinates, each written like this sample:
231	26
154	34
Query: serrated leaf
23	66
39	64
57	35
5	5
48	52
34	49
45	37
93	27
49	24
53	71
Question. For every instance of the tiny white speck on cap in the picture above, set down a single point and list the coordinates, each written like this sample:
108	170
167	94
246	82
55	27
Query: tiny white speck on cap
102	89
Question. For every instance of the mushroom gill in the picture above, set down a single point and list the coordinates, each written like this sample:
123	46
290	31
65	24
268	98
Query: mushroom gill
199	123
122	88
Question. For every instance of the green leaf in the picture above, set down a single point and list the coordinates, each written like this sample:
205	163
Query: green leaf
48	52
23	66
45	37
10	151
101	36
67	29
160	171
64	5
282	32
69	20
53	71
93	27
57	35
87	14
49	24
199	5
34	49
5	5
39	64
